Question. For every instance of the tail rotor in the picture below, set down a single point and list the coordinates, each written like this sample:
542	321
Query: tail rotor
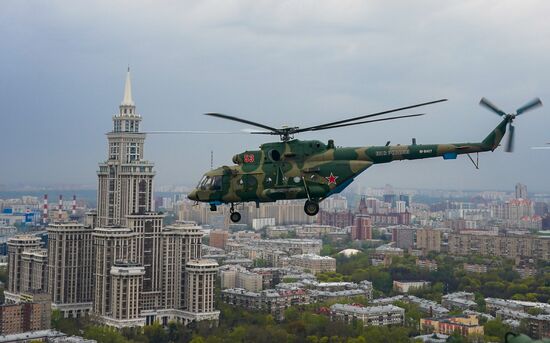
510	117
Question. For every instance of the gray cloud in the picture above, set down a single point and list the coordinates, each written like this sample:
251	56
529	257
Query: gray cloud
282	62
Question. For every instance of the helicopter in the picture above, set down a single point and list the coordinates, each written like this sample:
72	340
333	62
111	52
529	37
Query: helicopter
312	170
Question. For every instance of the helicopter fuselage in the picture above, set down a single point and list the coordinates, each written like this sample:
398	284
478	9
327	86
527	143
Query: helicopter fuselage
313	170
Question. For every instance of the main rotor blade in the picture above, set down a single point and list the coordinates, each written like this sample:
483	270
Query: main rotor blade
540	147
263	133
225	116
318	127
196	132
367	121
486	103
510	142
529	106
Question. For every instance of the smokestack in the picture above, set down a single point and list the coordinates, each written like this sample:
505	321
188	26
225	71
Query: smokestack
45	210
60	208
74	205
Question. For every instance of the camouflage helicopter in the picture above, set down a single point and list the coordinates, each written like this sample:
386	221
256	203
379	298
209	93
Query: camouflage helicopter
313	170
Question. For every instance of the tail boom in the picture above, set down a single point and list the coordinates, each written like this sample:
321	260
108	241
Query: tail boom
385	154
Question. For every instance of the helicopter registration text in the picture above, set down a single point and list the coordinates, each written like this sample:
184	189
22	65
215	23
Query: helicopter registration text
393	152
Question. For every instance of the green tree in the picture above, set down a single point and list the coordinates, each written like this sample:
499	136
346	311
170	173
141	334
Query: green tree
156	333
104	334
197	339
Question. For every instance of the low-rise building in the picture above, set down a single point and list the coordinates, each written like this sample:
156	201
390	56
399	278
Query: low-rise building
432	308
464	325
388	250
39	336
25	316
525	272
407	286
431	338
539	326
314	263
475	268
430	265
322	291
218	238
241	278
495	304
272	301
369	315
459	301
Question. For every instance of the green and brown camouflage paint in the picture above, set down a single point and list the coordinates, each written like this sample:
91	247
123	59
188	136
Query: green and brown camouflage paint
311	169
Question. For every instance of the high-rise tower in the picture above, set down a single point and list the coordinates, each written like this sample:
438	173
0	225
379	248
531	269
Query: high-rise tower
140	270
125	179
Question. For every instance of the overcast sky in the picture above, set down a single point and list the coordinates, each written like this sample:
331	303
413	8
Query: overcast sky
63	64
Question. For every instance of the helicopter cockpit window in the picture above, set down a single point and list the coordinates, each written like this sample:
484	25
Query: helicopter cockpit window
213	183
201	182
216	183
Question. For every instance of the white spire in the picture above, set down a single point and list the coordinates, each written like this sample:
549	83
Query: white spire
127	101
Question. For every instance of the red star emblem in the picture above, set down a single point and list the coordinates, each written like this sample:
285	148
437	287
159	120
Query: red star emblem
331	179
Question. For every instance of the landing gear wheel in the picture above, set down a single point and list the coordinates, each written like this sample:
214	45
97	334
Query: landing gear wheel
311	208
235	217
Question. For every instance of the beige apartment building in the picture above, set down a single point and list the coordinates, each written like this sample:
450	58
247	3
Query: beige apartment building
314	263
70	268
23	265
428	240
510	246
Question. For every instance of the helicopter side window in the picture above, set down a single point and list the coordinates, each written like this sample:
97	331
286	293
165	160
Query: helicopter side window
216	183
275	155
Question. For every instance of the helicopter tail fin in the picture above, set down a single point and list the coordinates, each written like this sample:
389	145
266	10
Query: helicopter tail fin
492	141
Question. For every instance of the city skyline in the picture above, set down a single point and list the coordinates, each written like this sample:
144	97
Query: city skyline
209	57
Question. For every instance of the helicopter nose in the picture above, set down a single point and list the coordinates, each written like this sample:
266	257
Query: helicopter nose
193	195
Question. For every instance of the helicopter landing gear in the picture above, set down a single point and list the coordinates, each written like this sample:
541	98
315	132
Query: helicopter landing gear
235	216
311	207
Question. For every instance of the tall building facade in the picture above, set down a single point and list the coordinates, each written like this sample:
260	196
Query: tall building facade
70	268
428	240
362	230
24	260
199	282
141	272
125	178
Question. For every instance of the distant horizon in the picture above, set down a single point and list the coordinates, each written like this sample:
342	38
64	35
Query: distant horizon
87	187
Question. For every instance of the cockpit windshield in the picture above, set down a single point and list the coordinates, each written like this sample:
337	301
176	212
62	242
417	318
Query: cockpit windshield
210	183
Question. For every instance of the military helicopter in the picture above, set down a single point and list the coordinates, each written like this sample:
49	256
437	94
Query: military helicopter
313	170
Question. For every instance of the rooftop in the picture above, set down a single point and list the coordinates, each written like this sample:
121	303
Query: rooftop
366	310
